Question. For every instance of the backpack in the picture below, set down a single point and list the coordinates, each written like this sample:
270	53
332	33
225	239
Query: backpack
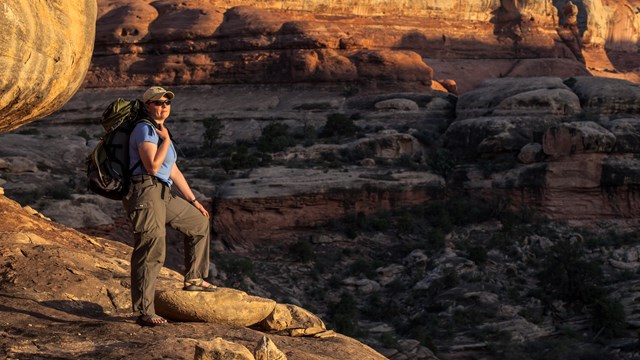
108	169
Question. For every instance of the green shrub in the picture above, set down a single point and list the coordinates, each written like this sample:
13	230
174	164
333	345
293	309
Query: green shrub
406	223
345	315
608	318
307	135
212	131
381	222
611	238
236	267
241	158
567	275
363	267
302	251
275	137
436	241
450	278
338	125
478	254
27	197
441	162
388	340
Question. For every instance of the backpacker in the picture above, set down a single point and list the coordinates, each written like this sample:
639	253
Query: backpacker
108	169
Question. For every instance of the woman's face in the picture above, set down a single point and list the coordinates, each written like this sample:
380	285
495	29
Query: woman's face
159	109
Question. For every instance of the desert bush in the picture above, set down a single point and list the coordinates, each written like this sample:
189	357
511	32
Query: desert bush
344	315
338	125
241	158
477	254
212	131
235	267
302	251
611	238
275	137
442	162
307	135
608	318
567	275
389	340
27	197
364	267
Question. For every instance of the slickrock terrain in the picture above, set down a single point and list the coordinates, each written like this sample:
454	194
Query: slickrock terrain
66	295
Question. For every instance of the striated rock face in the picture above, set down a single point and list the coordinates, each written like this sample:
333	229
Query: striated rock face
372	43
44	55
375	44
194	43
613	24
267	205
579	154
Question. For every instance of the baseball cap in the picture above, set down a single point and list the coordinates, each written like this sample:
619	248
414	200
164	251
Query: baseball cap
155	93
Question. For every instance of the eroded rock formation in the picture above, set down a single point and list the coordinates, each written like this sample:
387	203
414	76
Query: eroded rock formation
580	163
44	55
367	42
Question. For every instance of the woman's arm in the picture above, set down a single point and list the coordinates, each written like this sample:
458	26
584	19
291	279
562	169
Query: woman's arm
181	183
151	155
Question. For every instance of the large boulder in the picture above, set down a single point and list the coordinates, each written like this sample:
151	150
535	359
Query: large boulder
606	97
387	66
577	137
224	306
290	317
627	133
267	350
44	55
493	135
544	96
219	349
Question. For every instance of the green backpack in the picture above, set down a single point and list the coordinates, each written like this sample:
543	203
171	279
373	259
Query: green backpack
108	169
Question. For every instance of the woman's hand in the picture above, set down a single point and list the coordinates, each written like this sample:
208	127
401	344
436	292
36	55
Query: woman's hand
162	131
201	208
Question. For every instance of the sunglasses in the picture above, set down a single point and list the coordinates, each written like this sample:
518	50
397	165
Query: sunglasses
160	102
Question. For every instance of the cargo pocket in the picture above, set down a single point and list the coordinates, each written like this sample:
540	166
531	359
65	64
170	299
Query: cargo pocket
142	217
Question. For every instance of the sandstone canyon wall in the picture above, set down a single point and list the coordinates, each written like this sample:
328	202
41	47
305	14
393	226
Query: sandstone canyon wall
45	53
379	44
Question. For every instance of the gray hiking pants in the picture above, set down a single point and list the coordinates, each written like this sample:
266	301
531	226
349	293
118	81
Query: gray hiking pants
150	206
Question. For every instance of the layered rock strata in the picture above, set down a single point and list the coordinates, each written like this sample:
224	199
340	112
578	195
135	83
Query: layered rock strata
44	55
371	43
579	151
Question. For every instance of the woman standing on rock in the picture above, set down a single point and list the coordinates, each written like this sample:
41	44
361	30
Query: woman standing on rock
150	205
